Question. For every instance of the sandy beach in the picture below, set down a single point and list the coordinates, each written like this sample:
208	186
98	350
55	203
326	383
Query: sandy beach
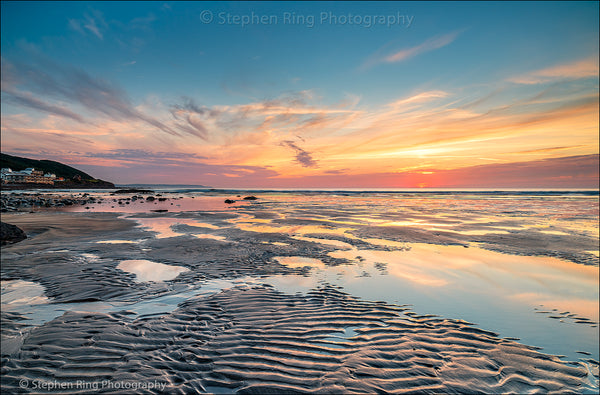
303	293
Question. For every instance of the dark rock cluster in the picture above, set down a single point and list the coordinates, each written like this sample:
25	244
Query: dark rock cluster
24	201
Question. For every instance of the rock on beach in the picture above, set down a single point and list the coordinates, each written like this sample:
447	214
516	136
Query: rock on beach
11	234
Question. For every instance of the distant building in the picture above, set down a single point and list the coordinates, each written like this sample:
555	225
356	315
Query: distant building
27	176
3	174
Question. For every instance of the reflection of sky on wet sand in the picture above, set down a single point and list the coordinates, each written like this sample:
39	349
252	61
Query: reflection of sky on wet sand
387	243
295	229
28	298
483	232
578	307
416	222
145	270
335	243
207	236
163	226
299	261
450	264
117	242
19	293
497	291
432	211
578	214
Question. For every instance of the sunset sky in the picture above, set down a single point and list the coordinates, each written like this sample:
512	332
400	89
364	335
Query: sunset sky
306	95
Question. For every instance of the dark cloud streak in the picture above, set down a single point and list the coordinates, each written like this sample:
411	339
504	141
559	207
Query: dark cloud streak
302	156
139	154
189	105
28	100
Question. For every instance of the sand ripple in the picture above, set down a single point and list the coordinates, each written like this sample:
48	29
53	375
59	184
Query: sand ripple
258	340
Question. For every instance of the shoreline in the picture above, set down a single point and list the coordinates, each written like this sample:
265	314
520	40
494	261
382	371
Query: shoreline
553	242
448	190
28	187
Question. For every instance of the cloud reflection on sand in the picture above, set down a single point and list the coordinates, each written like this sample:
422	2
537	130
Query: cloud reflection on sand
18	293
146	270
163	226
493	289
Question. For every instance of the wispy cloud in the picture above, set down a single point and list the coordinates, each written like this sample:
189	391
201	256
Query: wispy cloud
584	68
28	100
382	56
190	116
93	23
130	34
189	105
53	81
142	23
302	156
420	98
140	155
543	151
427	46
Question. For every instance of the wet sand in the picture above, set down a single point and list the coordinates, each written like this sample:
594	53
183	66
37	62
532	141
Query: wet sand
242	299
257	340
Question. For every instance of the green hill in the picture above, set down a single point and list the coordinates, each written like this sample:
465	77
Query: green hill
17	163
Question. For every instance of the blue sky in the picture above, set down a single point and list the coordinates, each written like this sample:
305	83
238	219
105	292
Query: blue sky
157	55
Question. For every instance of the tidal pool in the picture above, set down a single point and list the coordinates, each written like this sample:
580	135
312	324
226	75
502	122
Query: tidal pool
19	293
145	270
28	298
545	302
163	226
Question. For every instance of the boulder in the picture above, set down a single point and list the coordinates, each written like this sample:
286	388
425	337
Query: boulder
11	234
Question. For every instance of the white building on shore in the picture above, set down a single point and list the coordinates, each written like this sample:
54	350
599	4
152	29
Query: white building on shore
27	176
